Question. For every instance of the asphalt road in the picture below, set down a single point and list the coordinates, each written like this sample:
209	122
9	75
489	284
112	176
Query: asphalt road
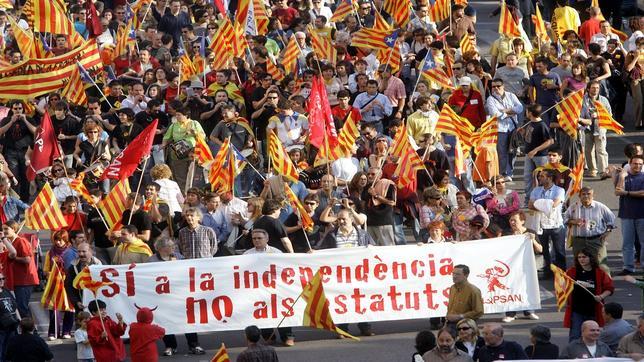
395	340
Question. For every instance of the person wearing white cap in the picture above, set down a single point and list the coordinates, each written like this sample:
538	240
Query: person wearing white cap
468	103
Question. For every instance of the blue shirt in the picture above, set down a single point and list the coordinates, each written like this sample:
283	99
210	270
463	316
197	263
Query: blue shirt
13	207
546	97
631	207
376	113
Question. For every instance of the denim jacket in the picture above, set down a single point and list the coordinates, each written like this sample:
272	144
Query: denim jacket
13	207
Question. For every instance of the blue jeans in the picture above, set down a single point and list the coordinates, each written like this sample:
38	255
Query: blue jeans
576	320
558	238
632	232
530	165
505	157
399	233
5	335
23	294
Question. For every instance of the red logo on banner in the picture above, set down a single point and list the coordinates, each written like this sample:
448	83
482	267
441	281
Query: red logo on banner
493	274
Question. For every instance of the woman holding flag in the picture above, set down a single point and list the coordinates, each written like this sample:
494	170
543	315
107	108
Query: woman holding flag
592	286
54	264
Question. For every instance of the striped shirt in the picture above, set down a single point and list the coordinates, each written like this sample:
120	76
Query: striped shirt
198	243
596	219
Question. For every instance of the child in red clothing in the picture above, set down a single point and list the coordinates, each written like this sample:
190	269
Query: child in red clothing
143	337
106	342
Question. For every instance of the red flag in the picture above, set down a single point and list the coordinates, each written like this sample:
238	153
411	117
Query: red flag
125	163
45	149
320	120
220	6
92	22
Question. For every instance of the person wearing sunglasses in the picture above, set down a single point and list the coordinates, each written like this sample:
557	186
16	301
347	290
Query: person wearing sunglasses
469	339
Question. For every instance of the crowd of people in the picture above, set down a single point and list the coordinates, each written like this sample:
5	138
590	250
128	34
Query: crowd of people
354	200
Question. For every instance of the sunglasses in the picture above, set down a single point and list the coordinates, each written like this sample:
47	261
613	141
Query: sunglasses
463	328
271	97
310	203
457	68
2	279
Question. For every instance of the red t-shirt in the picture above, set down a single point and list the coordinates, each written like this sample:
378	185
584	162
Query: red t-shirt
75	221
23	274
286	16
340	115
472	108
589	28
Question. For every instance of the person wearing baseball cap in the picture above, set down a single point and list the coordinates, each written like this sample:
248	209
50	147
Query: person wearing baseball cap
468	102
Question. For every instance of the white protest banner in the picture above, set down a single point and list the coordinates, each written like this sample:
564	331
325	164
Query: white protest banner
361	284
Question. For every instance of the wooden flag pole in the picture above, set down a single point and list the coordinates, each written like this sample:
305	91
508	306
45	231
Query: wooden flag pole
136	194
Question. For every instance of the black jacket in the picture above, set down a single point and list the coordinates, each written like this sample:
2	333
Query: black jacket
28	347
480	342
507	350
542	350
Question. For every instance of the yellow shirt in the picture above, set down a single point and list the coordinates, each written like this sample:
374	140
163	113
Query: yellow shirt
466	300
501	48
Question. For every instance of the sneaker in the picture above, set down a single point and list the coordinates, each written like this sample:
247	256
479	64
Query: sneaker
51	338
290	342
168	352
197	350
507	319
625	272
67	336
532	316
507	179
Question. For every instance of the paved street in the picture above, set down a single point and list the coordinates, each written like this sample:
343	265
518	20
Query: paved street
395	340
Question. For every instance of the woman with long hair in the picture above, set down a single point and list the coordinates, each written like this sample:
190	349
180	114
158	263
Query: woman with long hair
245	225
592	287
577	80
469	337
503	203
54	264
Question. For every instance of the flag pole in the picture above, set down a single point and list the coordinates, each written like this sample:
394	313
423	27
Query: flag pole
78	63
290	311
561	101
136	194
420	71
144	15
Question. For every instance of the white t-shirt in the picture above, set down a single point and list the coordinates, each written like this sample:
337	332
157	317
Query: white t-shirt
83	351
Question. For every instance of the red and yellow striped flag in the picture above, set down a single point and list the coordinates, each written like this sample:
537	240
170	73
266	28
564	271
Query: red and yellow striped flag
576	176
605	120
487	134
507	25
280	159
261	19
44	213
47	16
435	74
221	46
80	188
123	39
221	355
188	69
203	154
305	218
222	171
400	11
563	285
540	26
323	47
346	139
241	16
55	297
290	55
113	205
459	158
83	280
408	160
440	10
316	313
240	43
24	39
466	44
273	70
6	4
345	7
74	90
569	110
374	39
451	123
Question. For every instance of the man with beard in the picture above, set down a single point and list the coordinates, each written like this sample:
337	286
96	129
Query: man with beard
85	258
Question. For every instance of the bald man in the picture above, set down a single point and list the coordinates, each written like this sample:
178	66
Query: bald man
496	348
589	345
